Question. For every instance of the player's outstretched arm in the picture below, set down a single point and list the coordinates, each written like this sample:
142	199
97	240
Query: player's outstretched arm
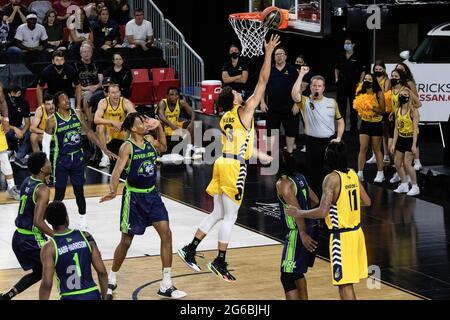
48	269
252	103
329	187
124	155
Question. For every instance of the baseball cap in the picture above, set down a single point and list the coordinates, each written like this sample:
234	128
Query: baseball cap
107	81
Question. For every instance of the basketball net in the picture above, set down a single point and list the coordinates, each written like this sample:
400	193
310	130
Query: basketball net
250	31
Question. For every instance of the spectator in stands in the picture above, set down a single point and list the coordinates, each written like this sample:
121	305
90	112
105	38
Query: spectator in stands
89	76
79	32
54	32
106	32
41	9
120	11
120	74
15	13
169	112
99	94
278	102
6	33
39	122
18	136
235	70
31	36
61	9
139	35
299	62
59	76
348	71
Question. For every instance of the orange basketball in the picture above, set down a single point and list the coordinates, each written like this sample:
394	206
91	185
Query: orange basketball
275	18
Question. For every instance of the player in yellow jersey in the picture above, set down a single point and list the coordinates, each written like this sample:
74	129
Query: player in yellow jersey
230	170
169	111
5	165
340	205
110	114
37	127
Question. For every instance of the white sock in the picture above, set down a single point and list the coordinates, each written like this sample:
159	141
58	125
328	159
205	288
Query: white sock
415	185
416	161
10	183
380	173
82	219
360	172
167	278
112	277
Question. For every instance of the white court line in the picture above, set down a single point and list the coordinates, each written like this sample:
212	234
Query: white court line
103	221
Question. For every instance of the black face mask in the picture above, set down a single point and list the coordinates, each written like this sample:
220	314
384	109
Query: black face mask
234	55
299	66
379	73
403	99
395	82
58	67
367	85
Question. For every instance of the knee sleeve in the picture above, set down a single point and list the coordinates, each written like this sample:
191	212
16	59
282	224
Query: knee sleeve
28	280
288	280
216	215
80	199
230	212
5	165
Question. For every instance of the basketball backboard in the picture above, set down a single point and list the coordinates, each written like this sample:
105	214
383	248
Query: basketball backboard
309	17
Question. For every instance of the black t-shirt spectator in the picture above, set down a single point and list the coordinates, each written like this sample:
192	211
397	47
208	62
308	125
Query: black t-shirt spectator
8	10
87	73
95	99
105	32
279	87
17	110
349	70
56	82
235	71
123	78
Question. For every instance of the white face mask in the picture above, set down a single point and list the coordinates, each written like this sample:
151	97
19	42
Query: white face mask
348	47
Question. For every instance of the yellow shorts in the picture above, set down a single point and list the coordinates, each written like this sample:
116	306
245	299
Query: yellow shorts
3	142
168	130
229	178
348	257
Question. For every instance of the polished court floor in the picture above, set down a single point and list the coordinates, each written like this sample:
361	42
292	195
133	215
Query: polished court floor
407	241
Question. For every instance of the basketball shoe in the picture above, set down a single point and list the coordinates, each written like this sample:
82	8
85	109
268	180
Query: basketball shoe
220	269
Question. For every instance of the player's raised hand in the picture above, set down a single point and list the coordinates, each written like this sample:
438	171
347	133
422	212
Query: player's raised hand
151	124
109	196
272	44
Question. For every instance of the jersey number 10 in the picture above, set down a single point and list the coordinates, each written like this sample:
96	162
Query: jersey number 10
352	195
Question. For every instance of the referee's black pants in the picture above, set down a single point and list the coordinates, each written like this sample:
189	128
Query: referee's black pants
315	154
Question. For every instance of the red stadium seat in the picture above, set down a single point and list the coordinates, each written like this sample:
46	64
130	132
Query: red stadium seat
160	92
142	92
30	96
66	34
159	74
122	32
141	87
140	75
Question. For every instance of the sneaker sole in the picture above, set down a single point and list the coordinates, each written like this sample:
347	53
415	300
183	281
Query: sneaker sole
217	273
193	267
169	298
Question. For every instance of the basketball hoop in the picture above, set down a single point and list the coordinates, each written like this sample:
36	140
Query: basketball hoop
251	32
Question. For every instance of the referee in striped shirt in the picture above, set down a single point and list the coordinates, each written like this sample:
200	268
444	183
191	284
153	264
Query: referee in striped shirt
320	115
